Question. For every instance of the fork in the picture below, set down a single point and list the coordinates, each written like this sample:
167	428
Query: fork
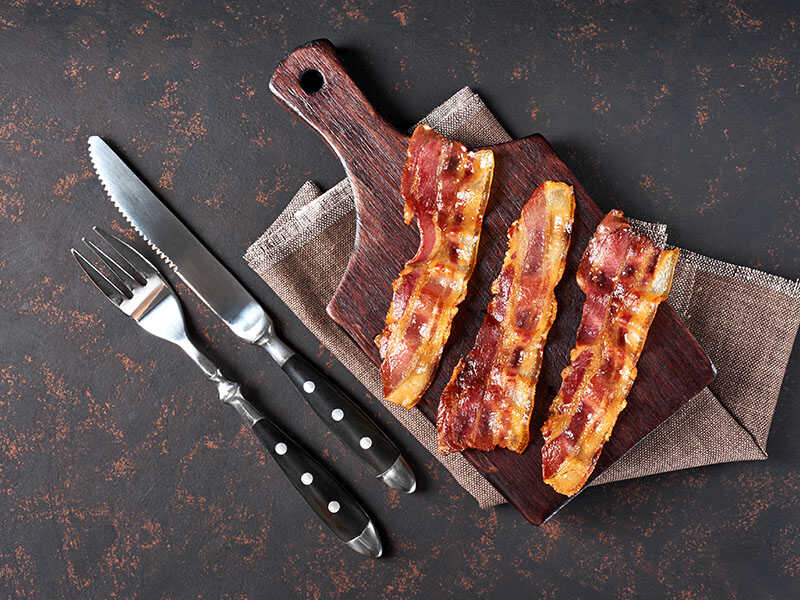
137	288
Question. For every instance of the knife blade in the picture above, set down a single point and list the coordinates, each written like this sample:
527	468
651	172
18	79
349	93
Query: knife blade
231	302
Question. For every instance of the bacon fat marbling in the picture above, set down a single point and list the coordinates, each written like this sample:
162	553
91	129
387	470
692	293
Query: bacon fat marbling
489	399
625	277
446	187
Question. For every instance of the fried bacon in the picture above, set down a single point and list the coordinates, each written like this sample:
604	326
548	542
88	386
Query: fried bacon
446	187
489	399
625	277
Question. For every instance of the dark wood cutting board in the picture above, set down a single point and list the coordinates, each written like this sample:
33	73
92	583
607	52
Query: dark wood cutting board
312	82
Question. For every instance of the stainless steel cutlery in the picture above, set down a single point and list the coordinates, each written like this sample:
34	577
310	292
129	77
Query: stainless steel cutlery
137	288
220	290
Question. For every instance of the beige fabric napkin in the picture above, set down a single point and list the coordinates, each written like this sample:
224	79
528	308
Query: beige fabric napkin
746	320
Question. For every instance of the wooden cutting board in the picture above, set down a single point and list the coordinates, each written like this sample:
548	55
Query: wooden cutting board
313	83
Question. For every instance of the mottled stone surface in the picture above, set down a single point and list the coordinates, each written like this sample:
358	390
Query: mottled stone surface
121	476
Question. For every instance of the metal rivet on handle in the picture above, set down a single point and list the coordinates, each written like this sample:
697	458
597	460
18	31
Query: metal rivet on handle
309	387
365	442
337	414
333	506
306	478
280	448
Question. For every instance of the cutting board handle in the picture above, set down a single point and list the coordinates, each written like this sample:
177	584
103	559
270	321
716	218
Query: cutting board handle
312	82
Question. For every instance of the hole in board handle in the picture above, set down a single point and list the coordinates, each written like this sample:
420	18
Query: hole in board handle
311	81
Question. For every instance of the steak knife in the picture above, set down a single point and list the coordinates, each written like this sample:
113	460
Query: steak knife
228	299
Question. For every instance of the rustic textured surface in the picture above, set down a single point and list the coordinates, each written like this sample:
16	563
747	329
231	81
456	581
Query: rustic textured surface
121	477
672	370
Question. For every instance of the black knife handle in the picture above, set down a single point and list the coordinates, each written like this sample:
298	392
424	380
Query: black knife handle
338	509
342	415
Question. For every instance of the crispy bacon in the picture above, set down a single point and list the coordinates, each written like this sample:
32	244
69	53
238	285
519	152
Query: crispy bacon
489	399
625	277
446	187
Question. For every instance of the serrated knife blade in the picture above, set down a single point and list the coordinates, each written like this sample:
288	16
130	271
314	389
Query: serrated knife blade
223	294
182	251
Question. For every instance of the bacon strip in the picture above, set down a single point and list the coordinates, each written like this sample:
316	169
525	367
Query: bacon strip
446	187
625	277
489	399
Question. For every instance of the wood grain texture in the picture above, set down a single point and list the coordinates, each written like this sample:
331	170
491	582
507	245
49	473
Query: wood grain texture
672	369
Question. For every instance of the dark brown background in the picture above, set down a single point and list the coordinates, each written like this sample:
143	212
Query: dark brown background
121	476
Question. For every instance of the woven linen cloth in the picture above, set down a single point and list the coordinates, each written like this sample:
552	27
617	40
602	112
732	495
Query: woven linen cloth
746	320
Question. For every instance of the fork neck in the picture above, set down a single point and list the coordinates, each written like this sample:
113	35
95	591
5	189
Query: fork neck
201	360
229	392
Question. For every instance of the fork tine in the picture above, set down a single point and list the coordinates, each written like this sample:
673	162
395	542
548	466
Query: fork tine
123	281
102	283
140	265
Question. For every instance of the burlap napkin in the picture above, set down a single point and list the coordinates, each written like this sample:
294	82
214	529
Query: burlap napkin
746	320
